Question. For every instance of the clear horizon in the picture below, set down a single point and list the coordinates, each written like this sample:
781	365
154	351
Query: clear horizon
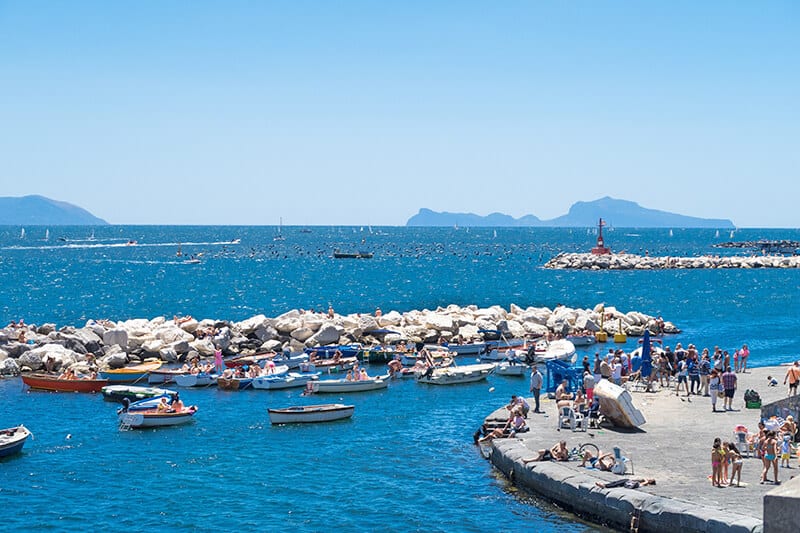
357	113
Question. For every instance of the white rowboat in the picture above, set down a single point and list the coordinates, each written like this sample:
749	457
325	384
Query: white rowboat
310	413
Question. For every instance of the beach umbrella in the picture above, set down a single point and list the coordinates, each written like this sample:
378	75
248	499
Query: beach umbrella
647	360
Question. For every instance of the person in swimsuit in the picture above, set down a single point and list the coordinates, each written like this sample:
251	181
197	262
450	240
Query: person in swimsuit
770	457
736	462
717	456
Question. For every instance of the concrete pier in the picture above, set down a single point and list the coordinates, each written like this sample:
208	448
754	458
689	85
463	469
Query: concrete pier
673	447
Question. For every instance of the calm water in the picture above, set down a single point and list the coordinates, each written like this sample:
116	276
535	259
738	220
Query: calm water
405	460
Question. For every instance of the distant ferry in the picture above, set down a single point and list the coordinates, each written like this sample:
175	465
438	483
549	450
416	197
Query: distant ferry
352	255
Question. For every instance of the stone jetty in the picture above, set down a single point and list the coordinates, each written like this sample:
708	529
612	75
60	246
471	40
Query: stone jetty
115	344
674	448
622	261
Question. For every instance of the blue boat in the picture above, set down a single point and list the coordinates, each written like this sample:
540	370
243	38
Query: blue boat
327	352
12	440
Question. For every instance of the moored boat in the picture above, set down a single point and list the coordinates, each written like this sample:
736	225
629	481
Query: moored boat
202	379
507	368
471	348
453	375
116	393
311	413
544	350
155	418
53	383
234	383
343	385
12	440
284	381
582	340
130	374
164	375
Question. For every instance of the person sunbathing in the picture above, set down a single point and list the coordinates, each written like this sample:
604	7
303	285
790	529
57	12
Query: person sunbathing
603	461
558	452
627	483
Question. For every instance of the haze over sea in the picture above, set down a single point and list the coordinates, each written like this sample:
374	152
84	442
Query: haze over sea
405	461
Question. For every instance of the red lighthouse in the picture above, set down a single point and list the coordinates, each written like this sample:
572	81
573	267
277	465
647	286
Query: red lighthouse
601	248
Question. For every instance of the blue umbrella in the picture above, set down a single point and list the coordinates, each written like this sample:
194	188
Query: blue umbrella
647	360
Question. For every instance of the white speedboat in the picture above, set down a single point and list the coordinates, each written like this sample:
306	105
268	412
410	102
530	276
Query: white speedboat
456	374
196	380
284	381
342	385
560	349
510	369
154	418
582	340
472	348
310	413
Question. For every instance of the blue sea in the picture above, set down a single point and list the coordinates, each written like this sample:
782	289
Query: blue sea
405	461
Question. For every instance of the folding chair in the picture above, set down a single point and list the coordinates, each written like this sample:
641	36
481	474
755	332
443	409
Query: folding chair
622	461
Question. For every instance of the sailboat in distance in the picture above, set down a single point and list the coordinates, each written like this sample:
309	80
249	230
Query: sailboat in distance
279	236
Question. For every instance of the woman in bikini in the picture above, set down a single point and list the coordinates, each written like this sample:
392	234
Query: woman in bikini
770	457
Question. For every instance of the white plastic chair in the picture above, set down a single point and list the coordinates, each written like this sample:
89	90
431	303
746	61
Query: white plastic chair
740	439
568	418
624	462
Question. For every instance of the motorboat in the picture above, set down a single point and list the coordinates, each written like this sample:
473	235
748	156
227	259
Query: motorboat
544	350
164	375
13	439
311	413
153	417
203	379
284	381
130	374
116	393
343	385
582	340
52	383
234	383
456	374
507	368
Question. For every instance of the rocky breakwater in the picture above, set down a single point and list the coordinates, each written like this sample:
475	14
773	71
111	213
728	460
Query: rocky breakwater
584	261
116	344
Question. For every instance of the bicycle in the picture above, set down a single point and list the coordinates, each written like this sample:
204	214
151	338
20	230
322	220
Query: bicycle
576	453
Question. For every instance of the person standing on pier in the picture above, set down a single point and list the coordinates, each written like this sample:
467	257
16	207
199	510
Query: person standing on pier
536	386
793	377
729	386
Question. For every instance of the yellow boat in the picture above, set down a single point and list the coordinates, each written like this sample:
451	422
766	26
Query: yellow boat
130	374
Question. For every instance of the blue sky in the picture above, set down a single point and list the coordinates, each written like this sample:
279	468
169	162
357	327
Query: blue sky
239	112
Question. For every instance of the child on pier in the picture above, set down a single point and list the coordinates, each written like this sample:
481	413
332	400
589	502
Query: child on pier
717	456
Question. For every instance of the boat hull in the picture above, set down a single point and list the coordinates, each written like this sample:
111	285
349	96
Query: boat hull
234	383
196	380
150	420
616	405
289	381
12	444
130	374
310	414
50	383
116	393
456	375
341	385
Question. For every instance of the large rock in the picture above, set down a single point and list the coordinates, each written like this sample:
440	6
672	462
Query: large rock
3	355
189	326
46	329
302	334
169	333
288	325
116	336
153	346
367	323
115	360
31	359
9	367
251	324
180	347
390	319
204	347
511	328
439	322
168	354
264	333
327	334
469	331
272	345
15	349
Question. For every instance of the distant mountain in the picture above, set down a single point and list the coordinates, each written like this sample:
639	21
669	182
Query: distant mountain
619	213
37	210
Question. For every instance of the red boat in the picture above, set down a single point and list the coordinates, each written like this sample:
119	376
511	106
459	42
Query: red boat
249	359
53	383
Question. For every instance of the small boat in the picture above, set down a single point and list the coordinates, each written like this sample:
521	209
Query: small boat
116	393
352	255
327	352
291	360
616	405
284	381
53	383
329	365
440	358
582	340
310	413
152	417
234	383
507	368
342	385
164	375
544	350
472	348
456	374
13	439
202	379
250	360
130	374
191	261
